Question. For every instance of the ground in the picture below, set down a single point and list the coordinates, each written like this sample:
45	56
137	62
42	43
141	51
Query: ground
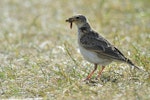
39	55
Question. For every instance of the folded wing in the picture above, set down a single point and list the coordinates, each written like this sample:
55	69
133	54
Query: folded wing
94	42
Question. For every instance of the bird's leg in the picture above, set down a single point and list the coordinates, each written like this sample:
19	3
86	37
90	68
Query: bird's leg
89	76
100	72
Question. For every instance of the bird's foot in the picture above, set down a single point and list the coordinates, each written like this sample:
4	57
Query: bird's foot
89	81
97	78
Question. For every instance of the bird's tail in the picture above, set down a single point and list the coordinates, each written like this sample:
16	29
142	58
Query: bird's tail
131	63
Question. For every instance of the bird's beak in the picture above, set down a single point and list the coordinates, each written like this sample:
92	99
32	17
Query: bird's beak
70	20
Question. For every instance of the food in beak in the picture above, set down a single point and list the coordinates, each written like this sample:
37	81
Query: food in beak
71	25
70	21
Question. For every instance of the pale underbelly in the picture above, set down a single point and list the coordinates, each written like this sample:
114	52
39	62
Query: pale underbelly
93	58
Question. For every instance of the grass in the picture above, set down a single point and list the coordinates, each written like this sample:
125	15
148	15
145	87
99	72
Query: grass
39	55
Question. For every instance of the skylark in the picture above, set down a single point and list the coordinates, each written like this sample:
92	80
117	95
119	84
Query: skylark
95	48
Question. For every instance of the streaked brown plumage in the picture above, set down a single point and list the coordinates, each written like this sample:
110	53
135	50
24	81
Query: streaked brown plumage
94	47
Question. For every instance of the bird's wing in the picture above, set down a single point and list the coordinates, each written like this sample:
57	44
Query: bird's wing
96	43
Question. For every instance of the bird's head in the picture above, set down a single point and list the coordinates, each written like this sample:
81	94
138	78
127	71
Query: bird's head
79	20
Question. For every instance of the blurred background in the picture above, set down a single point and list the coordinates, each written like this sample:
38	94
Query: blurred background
35	41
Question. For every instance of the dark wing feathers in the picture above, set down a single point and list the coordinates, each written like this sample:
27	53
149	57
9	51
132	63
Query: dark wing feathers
94	42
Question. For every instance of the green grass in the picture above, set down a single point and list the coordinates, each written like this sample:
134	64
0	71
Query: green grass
39	55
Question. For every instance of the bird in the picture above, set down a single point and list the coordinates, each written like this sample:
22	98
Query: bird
94	47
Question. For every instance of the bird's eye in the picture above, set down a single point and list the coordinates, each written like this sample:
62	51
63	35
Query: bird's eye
77	17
